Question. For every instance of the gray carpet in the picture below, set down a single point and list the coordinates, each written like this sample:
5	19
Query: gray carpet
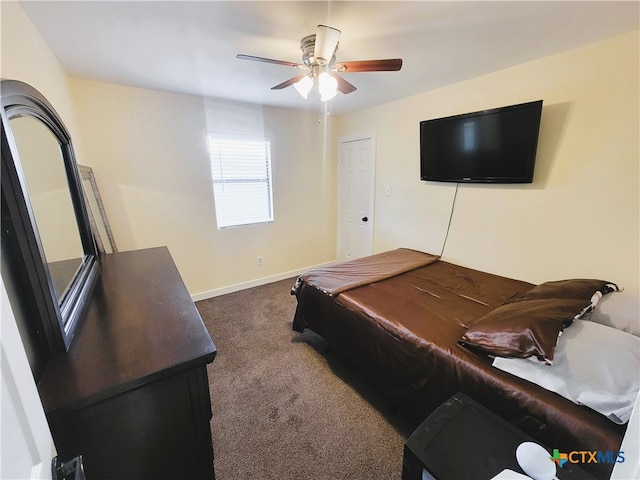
283	407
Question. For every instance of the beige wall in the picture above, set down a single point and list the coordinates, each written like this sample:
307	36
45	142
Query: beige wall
148	151
580	217
26	57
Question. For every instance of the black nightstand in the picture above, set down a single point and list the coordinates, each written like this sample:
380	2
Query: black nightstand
463	440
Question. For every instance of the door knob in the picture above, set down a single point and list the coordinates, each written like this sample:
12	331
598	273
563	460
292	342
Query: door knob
365	219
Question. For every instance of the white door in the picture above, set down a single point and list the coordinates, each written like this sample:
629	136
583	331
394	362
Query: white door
356	183
26	446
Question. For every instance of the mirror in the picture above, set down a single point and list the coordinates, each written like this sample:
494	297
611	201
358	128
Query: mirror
46	180
97	214
47	244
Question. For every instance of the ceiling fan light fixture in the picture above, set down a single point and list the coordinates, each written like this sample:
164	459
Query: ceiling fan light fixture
303	86
328	86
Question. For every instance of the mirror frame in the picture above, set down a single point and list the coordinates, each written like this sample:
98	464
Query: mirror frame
86	173
21	243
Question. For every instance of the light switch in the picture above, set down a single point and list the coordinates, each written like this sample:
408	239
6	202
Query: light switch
387	190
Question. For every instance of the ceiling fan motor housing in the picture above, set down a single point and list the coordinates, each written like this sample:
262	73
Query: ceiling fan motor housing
307	45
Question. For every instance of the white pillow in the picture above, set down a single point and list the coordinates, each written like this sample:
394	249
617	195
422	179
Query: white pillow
618	310
594	365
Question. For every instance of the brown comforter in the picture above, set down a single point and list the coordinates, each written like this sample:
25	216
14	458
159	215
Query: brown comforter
403	329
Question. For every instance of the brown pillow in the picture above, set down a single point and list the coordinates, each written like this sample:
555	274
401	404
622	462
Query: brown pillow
529	324
582	289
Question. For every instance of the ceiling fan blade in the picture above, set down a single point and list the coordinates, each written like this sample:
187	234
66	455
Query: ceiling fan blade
388	65
289	82
326	43
270	60
344	86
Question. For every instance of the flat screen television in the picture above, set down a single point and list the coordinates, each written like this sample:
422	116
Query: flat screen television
490	146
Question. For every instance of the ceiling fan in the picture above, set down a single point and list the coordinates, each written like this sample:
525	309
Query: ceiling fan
319	60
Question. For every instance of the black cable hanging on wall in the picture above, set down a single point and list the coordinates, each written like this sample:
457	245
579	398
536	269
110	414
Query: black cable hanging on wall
453	204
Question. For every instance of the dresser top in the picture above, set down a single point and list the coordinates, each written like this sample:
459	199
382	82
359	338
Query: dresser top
140	325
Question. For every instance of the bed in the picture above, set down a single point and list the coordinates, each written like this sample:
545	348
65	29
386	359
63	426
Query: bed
418	326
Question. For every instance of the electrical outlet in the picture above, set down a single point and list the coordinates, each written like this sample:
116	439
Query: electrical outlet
260	261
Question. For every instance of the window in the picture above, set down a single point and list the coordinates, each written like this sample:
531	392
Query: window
241	174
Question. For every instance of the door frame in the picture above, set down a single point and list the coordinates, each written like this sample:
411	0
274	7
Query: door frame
28	434
370	135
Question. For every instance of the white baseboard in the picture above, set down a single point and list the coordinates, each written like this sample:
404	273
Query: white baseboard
253	283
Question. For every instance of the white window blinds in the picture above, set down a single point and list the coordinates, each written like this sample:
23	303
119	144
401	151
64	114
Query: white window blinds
241	174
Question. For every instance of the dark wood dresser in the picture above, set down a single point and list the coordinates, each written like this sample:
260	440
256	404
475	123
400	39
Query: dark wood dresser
131	395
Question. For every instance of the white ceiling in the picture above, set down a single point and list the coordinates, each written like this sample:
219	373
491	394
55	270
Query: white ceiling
190	47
